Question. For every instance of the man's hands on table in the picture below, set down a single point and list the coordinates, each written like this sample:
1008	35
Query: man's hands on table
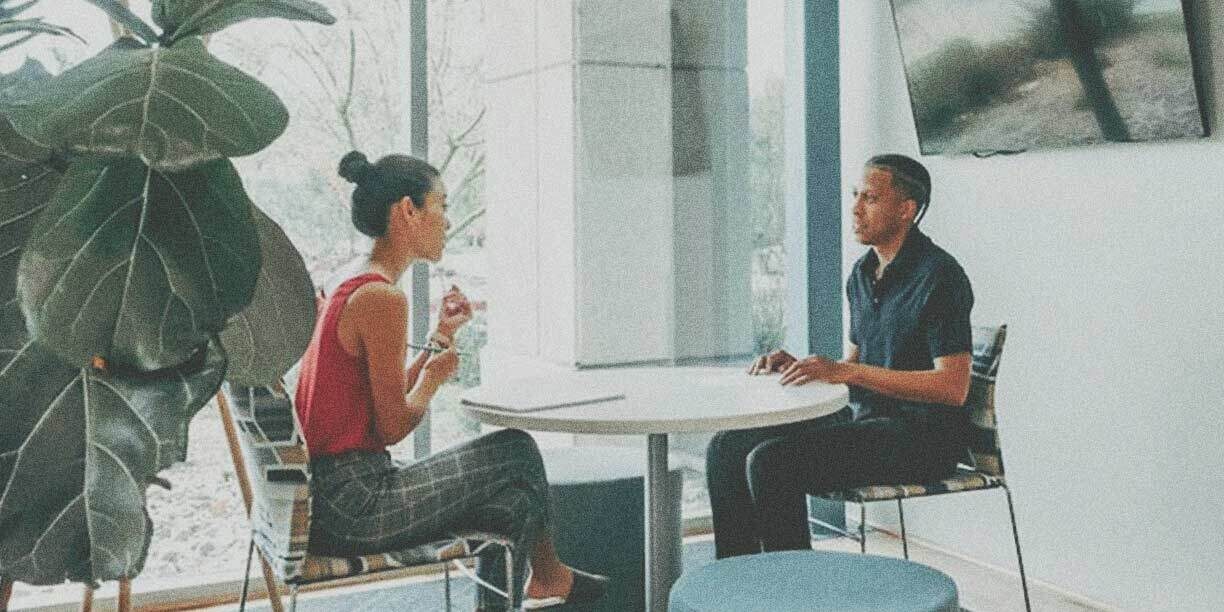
801	371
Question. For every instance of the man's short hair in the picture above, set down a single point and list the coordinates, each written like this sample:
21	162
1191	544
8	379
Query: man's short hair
908	175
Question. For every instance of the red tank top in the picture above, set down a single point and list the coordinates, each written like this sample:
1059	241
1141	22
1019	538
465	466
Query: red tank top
334	402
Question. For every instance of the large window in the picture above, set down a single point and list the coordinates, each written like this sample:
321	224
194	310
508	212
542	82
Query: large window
346	87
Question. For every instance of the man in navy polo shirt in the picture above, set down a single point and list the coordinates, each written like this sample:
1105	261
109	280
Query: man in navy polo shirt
908	371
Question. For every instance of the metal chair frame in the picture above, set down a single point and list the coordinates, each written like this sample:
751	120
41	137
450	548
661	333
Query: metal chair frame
294	586
861	535
235	444
963	470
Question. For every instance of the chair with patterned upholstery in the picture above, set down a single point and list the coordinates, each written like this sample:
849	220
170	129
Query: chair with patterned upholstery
273	467
983	468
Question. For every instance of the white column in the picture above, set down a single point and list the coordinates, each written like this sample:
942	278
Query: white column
619	222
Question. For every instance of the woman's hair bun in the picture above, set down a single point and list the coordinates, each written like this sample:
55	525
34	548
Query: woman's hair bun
355	167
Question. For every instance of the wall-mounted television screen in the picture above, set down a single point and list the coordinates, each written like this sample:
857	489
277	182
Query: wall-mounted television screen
991	76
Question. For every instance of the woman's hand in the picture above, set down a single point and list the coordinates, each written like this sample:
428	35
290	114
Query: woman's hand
455	312
440	367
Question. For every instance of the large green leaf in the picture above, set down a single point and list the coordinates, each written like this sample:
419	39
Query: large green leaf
270	335
138	266
174	108
198	17
27	180
78	451
29	377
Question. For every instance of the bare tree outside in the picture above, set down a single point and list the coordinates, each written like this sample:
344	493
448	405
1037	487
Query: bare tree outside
769	212
345	90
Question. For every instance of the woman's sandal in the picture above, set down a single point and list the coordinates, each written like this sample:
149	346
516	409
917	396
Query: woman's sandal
586	588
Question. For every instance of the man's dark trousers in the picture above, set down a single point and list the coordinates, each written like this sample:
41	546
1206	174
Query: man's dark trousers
759	478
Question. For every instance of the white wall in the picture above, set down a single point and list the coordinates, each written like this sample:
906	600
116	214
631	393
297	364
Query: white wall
1106	263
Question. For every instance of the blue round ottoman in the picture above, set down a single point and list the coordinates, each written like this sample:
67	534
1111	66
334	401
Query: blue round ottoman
812	580
598	505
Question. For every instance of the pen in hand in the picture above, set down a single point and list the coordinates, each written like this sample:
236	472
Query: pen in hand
434	349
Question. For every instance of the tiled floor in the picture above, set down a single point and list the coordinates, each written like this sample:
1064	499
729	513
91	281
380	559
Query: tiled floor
981	589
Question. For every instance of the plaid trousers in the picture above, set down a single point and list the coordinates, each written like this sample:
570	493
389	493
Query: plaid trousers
368	503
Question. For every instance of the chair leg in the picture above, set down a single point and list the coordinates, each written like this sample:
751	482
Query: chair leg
904	542
1028	606
446	581
125	595
863	528
510	605
274	598
231	437
87	599
6	592
246	576
293	591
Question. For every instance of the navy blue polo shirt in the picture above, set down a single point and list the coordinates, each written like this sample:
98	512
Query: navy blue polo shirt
917	311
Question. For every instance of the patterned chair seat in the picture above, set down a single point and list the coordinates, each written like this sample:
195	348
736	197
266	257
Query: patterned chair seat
966	480
316	568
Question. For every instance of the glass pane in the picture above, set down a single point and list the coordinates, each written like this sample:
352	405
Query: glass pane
766	81
456	148
346	89
766	65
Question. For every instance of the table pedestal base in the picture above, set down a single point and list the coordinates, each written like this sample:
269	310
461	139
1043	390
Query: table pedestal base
662	560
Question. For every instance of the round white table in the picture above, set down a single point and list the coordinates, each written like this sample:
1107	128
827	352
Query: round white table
657	402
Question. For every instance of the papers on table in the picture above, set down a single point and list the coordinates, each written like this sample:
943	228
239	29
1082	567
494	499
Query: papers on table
534	394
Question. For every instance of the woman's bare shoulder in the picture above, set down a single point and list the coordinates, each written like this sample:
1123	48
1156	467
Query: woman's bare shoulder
378	297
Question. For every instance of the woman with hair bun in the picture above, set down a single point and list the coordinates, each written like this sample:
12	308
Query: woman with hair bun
355	398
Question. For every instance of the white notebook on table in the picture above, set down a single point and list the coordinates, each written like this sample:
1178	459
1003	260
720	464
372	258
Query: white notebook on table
530	395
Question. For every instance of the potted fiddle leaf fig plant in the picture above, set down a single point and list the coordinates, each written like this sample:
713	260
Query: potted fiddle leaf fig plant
135	276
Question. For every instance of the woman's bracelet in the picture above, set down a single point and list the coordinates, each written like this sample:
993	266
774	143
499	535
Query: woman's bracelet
441	340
